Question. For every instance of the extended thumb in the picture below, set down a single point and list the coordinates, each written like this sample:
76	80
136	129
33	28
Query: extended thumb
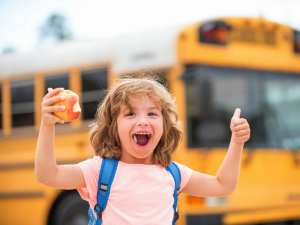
237	113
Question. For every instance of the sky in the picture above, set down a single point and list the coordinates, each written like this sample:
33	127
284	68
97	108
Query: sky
20	20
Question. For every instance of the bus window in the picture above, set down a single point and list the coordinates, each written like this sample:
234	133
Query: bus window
0	106
269	101
281	97
57	81
22	103
93	86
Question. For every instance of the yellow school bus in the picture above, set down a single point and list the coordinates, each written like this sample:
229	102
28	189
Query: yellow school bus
211	67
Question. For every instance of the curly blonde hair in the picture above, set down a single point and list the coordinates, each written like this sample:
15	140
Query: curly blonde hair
104	136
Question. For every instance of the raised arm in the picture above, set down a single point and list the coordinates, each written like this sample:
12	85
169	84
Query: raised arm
46	170
226	180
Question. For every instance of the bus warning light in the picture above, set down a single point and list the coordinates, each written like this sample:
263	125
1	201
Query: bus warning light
215	32
297	41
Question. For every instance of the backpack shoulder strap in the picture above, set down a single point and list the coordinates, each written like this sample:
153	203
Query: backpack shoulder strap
175	172
106	177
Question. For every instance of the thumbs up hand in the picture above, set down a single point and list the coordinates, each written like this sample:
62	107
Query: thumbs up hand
239	127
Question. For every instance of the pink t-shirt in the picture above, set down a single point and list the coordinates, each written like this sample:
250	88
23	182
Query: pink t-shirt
140	194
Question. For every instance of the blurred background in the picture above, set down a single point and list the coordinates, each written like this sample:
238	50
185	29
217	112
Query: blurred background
213	56
22	21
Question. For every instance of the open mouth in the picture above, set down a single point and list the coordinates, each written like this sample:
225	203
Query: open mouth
142	139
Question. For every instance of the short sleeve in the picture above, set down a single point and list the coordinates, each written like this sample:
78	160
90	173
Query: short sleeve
90	169
186	174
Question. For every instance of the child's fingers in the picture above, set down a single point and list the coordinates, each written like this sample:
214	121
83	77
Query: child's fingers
239	122
242	133
243	138
51	101
241	130
53	92
243	126
53	119
51	109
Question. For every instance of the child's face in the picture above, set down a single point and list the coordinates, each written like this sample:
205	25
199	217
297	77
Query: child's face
145	117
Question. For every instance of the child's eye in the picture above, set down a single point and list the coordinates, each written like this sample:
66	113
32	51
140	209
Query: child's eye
152	114
130	114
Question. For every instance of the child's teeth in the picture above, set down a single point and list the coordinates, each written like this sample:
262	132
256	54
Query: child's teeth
141	134
135	138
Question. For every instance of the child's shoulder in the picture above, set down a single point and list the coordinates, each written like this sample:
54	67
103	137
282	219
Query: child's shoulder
93	163
185	173
180	166
93	160
184	170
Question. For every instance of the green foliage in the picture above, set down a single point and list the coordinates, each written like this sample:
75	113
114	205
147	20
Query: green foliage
8	50
55	27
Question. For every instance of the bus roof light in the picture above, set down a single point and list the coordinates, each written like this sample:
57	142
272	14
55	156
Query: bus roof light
296	41
215	32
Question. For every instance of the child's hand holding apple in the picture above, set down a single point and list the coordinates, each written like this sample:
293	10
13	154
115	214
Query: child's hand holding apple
60	106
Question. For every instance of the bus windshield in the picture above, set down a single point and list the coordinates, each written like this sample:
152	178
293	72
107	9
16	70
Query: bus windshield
270	101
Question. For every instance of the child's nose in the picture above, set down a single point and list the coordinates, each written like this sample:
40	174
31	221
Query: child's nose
142	122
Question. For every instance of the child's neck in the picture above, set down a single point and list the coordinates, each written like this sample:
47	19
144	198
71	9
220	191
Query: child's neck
129	159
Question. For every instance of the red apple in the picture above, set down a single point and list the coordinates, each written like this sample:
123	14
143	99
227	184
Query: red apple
71	103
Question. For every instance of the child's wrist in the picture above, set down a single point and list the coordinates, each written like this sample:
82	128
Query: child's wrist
47	125
235	140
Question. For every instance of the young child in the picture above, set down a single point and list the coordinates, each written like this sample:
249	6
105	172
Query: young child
137	123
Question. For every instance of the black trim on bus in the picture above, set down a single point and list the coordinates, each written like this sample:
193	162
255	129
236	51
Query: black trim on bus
216	219
30	131
33	194
197	70
30	165
16	166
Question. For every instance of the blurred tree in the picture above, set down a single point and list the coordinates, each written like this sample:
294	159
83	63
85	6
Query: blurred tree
55	27
8	50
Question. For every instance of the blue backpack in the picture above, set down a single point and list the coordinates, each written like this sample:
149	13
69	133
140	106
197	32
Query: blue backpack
106	177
